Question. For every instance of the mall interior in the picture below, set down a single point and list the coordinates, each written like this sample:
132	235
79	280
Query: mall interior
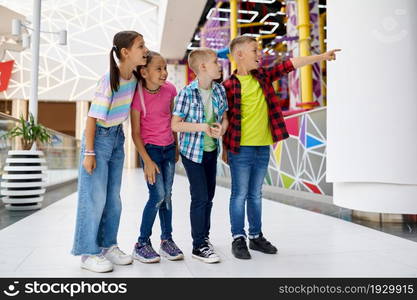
340	194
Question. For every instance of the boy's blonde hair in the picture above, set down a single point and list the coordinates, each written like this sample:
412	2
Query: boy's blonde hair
239	41
199	56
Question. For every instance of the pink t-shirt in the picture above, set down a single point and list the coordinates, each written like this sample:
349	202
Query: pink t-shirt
155	124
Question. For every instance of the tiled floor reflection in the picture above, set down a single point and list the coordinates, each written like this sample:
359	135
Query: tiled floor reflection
7	218
407	230
310	244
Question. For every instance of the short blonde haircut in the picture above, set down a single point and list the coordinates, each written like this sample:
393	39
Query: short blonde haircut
199	56
239	41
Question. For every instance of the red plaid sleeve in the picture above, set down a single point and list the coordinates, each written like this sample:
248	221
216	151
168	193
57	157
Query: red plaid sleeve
278	70
231	139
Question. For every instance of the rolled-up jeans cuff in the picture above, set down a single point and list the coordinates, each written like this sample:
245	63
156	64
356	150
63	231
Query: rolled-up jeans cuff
254	236
238	236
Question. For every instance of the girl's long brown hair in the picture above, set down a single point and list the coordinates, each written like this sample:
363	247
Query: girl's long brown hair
122	39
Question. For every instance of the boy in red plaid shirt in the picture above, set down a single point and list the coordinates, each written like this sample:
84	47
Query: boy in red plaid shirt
255	123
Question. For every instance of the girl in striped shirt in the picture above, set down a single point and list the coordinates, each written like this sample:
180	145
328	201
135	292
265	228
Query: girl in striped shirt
102	157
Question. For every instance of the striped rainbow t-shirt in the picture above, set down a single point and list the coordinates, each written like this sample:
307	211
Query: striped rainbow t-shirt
109	108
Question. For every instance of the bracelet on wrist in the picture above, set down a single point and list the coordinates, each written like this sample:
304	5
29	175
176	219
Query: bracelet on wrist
89	154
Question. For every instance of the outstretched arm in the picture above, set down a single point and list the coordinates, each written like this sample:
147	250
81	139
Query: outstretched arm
301	61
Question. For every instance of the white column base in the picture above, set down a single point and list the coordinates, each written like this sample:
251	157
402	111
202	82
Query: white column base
376	197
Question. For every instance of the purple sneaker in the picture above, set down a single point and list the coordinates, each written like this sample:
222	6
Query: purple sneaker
170	250
145	253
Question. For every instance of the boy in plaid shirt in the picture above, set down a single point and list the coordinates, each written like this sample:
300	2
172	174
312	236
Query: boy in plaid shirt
256	122
200	117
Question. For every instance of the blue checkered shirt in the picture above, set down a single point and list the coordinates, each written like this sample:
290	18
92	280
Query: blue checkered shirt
189	107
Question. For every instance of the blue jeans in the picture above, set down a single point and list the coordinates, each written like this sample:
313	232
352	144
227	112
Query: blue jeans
202	178
99	204
159	193
248	169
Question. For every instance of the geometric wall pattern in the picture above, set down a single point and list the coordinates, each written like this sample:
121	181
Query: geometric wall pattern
71	72
299	162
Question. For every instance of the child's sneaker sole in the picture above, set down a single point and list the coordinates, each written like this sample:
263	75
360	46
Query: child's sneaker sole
101	269
256	248
147	260
207	260
169	257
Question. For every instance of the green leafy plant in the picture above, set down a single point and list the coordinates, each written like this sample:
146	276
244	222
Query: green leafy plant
30	132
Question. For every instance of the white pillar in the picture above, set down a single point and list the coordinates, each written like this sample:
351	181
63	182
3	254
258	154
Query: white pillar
80	118
36	23
131	155
372	105
19	107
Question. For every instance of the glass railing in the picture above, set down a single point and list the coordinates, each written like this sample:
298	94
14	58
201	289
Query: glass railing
61	155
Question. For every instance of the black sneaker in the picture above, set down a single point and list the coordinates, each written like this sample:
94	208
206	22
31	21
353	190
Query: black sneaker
240	249
206	254
261	244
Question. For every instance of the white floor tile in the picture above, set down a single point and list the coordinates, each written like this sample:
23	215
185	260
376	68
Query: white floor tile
309	244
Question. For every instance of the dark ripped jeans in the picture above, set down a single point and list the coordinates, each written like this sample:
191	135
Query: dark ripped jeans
159	193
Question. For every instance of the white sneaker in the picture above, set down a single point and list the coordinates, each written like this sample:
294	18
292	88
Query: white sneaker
97	263
117	256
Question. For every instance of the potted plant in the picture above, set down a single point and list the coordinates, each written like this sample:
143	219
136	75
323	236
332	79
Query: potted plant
23	176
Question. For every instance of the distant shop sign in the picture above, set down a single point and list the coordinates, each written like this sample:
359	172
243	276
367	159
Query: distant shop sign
5	74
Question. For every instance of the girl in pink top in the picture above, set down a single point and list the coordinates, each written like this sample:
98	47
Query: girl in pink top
156	143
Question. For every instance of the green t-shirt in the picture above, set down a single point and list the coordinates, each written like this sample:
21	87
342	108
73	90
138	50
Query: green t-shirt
256	130
209	142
